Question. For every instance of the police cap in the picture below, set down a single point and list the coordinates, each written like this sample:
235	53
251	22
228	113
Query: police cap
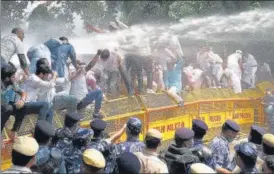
25	145
154	133
199	125
44	128
256	134
128	163
134	125
247	149
232	125
94	158
268	139
184	133
72	118
98	124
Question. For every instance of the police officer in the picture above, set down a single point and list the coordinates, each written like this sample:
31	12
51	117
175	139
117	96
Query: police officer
222	160
79	142
150	162
132	144
183	142
200	128
128	163
93	161
98	142
200	168
256	137
47	159
268	166
246	157
65	136
23	154
268	144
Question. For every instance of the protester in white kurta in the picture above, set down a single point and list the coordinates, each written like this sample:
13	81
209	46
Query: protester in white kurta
234	65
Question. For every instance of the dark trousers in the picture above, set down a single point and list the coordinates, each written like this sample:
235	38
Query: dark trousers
134	68
40	108
96	95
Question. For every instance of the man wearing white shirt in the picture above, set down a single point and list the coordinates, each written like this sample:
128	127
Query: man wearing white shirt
57	100
36	84
234	64
13	44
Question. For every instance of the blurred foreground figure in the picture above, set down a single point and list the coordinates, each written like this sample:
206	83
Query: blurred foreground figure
93	161
268	102
128	163
246	157
23	155
200	168
178	156
13	44
268	166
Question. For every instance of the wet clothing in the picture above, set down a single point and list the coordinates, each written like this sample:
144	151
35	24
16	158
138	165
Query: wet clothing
59	55
131	145
221	154
11	45
17	169
78	86
174	77
134	69
8	107
96	95
235	71
150	162
249	72
37	52
34	85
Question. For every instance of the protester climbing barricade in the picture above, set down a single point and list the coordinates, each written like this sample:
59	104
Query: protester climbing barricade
161	112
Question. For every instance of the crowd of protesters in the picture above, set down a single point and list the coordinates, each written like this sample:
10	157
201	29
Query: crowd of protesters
51	83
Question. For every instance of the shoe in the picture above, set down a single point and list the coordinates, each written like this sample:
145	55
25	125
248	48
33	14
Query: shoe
181	104
150	91
10	123
98	115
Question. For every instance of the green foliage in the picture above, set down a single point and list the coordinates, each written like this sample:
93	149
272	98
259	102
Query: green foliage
12	13
100	13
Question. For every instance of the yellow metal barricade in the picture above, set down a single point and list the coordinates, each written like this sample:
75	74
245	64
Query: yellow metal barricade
161	112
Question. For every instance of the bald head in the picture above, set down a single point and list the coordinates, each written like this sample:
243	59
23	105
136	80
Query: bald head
19	32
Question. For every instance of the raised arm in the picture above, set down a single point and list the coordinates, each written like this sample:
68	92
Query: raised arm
93	61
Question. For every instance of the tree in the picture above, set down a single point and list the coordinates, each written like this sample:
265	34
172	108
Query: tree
12	14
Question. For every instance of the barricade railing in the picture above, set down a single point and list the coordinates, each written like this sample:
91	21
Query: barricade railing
161	112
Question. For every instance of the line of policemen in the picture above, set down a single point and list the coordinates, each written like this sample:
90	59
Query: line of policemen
72	149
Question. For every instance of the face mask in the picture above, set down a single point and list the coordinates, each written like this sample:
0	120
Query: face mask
229	139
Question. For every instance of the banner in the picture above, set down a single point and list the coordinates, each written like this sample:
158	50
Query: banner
168	127
243	116
214	119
